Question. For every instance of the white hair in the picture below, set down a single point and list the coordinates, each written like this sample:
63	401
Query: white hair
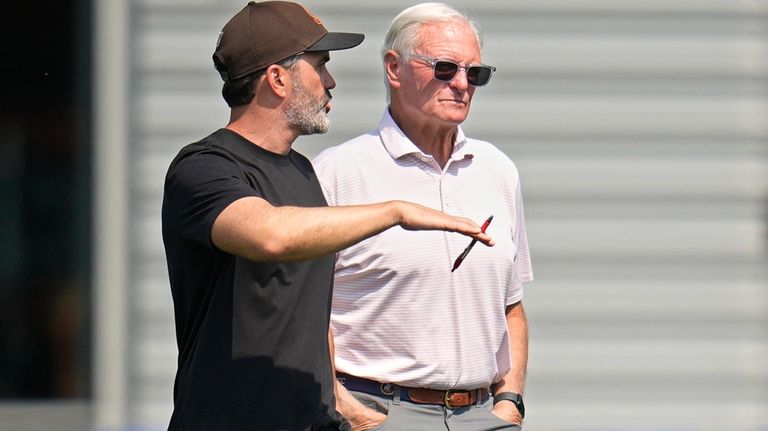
402	35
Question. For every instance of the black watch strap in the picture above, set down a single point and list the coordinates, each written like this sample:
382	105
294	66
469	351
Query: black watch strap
511	396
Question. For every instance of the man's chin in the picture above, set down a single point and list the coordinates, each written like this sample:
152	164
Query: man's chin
316	129
456	118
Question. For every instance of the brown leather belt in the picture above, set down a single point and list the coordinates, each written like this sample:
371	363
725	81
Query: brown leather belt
451	398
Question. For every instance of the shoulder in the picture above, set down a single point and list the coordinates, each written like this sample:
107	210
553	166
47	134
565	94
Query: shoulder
490	157
207	157
213	145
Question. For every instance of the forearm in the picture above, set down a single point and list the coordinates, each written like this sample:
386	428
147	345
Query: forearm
304	233
517	326
254	229
514	380
257	230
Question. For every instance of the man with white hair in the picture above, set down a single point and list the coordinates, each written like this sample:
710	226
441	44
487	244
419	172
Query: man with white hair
424	341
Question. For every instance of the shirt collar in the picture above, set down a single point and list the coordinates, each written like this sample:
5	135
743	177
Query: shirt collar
399	145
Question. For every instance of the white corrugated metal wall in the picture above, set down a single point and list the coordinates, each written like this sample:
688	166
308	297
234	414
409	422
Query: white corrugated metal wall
641	132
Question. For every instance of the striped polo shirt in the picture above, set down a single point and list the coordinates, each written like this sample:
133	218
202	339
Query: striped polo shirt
399	314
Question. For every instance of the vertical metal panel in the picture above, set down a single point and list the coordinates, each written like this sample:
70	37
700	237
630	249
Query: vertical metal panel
640	130
111	213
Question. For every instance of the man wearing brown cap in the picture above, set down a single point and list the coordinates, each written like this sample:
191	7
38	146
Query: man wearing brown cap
249	239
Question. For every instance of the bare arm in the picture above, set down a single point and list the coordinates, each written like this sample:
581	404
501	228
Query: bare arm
514	380
255	229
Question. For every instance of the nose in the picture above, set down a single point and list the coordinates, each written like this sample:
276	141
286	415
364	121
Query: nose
328	81
459	81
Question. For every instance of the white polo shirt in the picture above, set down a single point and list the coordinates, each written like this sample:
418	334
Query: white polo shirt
399	314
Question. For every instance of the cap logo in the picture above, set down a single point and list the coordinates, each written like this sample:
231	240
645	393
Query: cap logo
313	16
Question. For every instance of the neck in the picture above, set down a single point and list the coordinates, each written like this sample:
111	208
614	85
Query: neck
266	129
434	139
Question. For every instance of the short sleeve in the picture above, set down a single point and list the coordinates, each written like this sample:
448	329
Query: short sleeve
198	187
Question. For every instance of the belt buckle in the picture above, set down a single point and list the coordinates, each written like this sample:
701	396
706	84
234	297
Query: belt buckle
447	398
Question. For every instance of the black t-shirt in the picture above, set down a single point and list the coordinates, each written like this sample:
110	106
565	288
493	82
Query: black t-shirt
252	336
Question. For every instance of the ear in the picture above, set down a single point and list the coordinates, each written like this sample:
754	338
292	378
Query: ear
392	68
278	79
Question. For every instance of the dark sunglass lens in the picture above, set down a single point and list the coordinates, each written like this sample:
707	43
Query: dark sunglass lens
445	70
478	75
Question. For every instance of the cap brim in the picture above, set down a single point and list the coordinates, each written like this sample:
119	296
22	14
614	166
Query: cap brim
337	41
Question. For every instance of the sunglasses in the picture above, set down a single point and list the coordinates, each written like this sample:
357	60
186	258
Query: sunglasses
445	70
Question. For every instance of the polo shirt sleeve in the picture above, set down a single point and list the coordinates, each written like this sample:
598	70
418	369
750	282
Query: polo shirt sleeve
198	187
523	271
510	190
523	268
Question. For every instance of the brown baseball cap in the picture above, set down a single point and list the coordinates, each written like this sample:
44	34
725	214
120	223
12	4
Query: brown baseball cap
263	33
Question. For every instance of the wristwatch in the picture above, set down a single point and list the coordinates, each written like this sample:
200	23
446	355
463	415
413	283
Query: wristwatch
511	396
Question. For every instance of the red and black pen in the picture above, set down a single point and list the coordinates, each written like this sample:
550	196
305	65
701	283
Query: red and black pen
471	244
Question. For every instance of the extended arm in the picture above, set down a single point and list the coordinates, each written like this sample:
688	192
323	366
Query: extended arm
514	380
253	228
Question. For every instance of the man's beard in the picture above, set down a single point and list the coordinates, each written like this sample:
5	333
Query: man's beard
307	113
